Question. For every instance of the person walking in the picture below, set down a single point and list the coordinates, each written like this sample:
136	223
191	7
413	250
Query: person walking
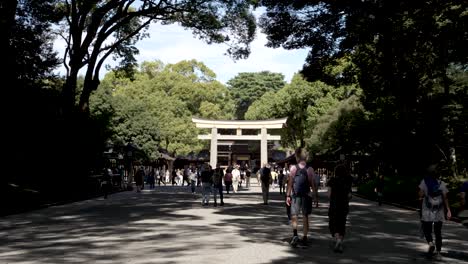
248	173
167	175
299	197
235	178
174	177
106	183
186	176
207	183
379	187
162	175
152	178
435	209
274	177
228	179
339	193
139	176
218	175
266	181
193	179
281	179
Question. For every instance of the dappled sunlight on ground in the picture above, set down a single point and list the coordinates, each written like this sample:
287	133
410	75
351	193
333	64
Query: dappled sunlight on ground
169	225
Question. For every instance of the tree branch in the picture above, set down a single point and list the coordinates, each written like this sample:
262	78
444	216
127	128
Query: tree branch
117	43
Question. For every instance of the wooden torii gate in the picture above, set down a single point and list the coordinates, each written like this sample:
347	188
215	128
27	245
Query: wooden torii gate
263	125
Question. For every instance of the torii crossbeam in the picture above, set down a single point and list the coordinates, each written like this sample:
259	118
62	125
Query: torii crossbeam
263	125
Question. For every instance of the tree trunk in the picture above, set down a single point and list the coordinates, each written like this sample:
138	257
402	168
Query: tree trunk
68	93
88	88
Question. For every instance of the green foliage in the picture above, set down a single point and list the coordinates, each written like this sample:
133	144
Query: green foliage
342	127
114	26
156	108
247	87
303	103
32	42
402	54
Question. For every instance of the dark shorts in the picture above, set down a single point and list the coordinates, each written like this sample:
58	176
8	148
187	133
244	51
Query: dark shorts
301	204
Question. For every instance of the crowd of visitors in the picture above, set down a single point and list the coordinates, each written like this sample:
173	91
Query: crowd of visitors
300	184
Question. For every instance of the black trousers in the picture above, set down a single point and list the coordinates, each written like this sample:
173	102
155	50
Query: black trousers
228	185
220	191
337	218
281	187
265	192
427	228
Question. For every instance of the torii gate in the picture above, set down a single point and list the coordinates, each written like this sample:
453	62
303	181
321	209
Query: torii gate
263	125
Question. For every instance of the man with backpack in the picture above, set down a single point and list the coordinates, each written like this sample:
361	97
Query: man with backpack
435	209
218	175
299	196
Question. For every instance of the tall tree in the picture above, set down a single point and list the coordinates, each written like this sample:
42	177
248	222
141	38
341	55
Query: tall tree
302	102
247	87
402	51
155	109
112	27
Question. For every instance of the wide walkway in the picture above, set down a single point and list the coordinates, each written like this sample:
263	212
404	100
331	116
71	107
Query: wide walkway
169	225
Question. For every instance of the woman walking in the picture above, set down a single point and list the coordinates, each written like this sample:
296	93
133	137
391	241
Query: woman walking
340	193
193	179
139	176
228	179
207	183
433	193
235	178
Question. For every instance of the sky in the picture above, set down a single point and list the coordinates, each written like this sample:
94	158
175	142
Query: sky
172	43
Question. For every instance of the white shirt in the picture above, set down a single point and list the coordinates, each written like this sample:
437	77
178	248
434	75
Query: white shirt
429	215
235	175
193	176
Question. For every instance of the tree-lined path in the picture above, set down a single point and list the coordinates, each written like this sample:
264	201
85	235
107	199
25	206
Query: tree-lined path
169	225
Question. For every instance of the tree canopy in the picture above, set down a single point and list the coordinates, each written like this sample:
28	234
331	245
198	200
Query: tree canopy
401	53
113	27
247	87
302	102
155	109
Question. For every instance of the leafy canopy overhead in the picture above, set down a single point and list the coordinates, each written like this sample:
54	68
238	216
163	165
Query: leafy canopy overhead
95	30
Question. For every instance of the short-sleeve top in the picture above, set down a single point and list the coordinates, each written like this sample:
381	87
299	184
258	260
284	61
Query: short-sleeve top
429	214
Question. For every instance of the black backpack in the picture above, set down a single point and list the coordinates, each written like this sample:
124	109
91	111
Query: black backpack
301	184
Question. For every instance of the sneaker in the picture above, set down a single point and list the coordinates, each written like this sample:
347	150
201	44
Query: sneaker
431	249
438	256
222	204
215	205
294	241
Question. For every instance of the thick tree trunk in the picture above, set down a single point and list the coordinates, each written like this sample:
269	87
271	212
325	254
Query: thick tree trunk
88	88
